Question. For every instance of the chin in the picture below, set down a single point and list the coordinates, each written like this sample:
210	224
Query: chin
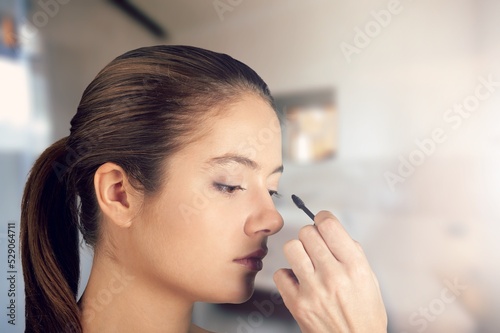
240	298
236	294
245	291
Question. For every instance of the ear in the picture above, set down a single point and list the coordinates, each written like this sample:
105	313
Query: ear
116	197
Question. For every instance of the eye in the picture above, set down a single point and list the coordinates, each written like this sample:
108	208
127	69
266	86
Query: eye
228	189
274	194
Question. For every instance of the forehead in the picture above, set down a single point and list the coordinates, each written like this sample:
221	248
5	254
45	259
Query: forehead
251	115
247	127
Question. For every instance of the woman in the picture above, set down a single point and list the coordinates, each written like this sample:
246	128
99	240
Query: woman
164	175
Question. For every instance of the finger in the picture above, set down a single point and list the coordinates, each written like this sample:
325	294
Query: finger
287	284
299	260
341	245
315	246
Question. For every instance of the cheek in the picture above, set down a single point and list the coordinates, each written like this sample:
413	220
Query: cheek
218	223
178	243
195	254
187	226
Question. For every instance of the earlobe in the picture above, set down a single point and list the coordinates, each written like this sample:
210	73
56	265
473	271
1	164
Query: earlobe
114	194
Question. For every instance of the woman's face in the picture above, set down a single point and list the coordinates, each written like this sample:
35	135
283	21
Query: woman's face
215	208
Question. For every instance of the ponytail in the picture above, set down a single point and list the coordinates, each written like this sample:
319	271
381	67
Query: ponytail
50	247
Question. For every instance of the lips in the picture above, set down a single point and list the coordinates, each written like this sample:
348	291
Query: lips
253	261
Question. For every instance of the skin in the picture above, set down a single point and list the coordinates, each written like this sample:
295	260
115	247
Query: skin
159	254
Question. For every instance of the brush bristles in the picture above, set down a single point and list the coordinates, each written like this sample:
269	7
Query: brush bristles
297	201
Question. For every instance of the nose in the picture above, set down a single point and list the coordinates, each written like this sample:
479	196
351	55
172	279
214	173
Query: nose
265	219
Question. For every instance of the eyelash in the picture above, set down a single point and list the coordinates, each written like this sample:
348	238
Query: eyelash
230	189
274	194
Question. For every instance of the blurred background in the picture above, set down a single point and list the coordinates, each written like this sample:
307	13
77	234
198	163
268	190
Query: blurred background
396	129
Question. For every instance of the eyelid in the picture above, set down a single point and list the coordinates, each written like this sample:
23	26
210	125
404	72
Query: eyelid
228	189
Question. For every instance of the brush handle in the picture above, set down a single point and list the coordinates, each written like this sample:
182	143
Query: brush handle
308	212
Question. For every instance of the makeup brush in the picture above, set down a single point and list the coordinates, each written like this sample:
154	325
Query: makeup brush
302	206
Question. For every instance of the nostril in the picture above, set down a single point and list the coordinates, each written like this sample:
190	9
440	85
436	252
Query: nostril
279	224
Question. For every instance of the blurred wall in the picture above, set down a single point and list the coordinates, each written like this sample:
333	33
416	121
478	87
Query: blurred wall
76	44
427	58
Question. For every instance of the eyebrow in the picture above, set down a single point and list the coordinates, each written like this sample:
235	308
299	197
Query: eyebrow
235	158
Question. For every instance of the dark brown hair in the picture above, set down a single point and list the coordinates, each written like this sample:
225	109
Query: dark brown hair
140	109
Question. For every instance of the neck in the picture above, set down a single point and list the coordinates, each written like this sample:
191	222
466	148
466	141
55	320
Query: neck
118	300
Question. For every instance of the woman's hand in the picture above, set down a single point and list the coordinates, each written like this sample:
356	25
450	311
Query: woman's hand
331	287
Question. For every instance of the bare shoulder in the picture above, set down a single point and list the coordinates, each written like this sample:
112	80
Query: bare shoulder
197	329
